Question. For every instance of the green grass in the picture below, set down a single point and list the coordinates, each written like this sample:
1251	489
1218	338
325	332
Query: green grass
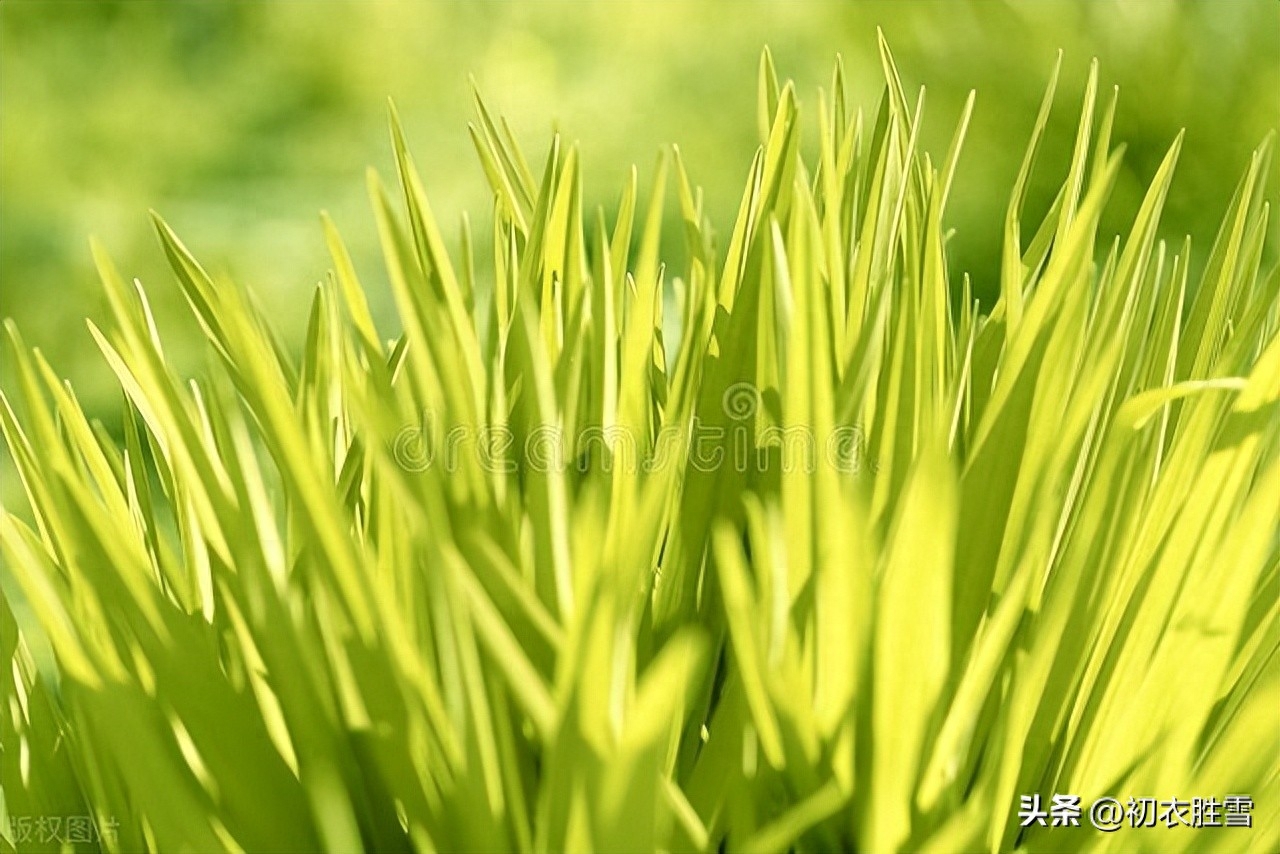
832	560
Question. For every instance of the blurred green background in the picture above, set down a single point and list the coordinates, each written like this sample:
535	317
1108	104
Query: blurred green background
239	121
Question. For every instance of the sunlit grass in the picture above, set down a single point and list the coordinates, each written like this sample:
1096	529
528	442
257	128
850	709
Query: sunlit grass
846	563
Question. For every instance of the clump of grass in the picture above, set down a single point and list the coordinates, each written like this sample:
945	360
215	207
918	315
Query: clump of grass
845	564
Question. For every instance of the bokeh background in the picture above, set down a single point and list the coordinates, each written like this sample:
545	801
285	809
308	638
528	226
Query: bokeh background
239	121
